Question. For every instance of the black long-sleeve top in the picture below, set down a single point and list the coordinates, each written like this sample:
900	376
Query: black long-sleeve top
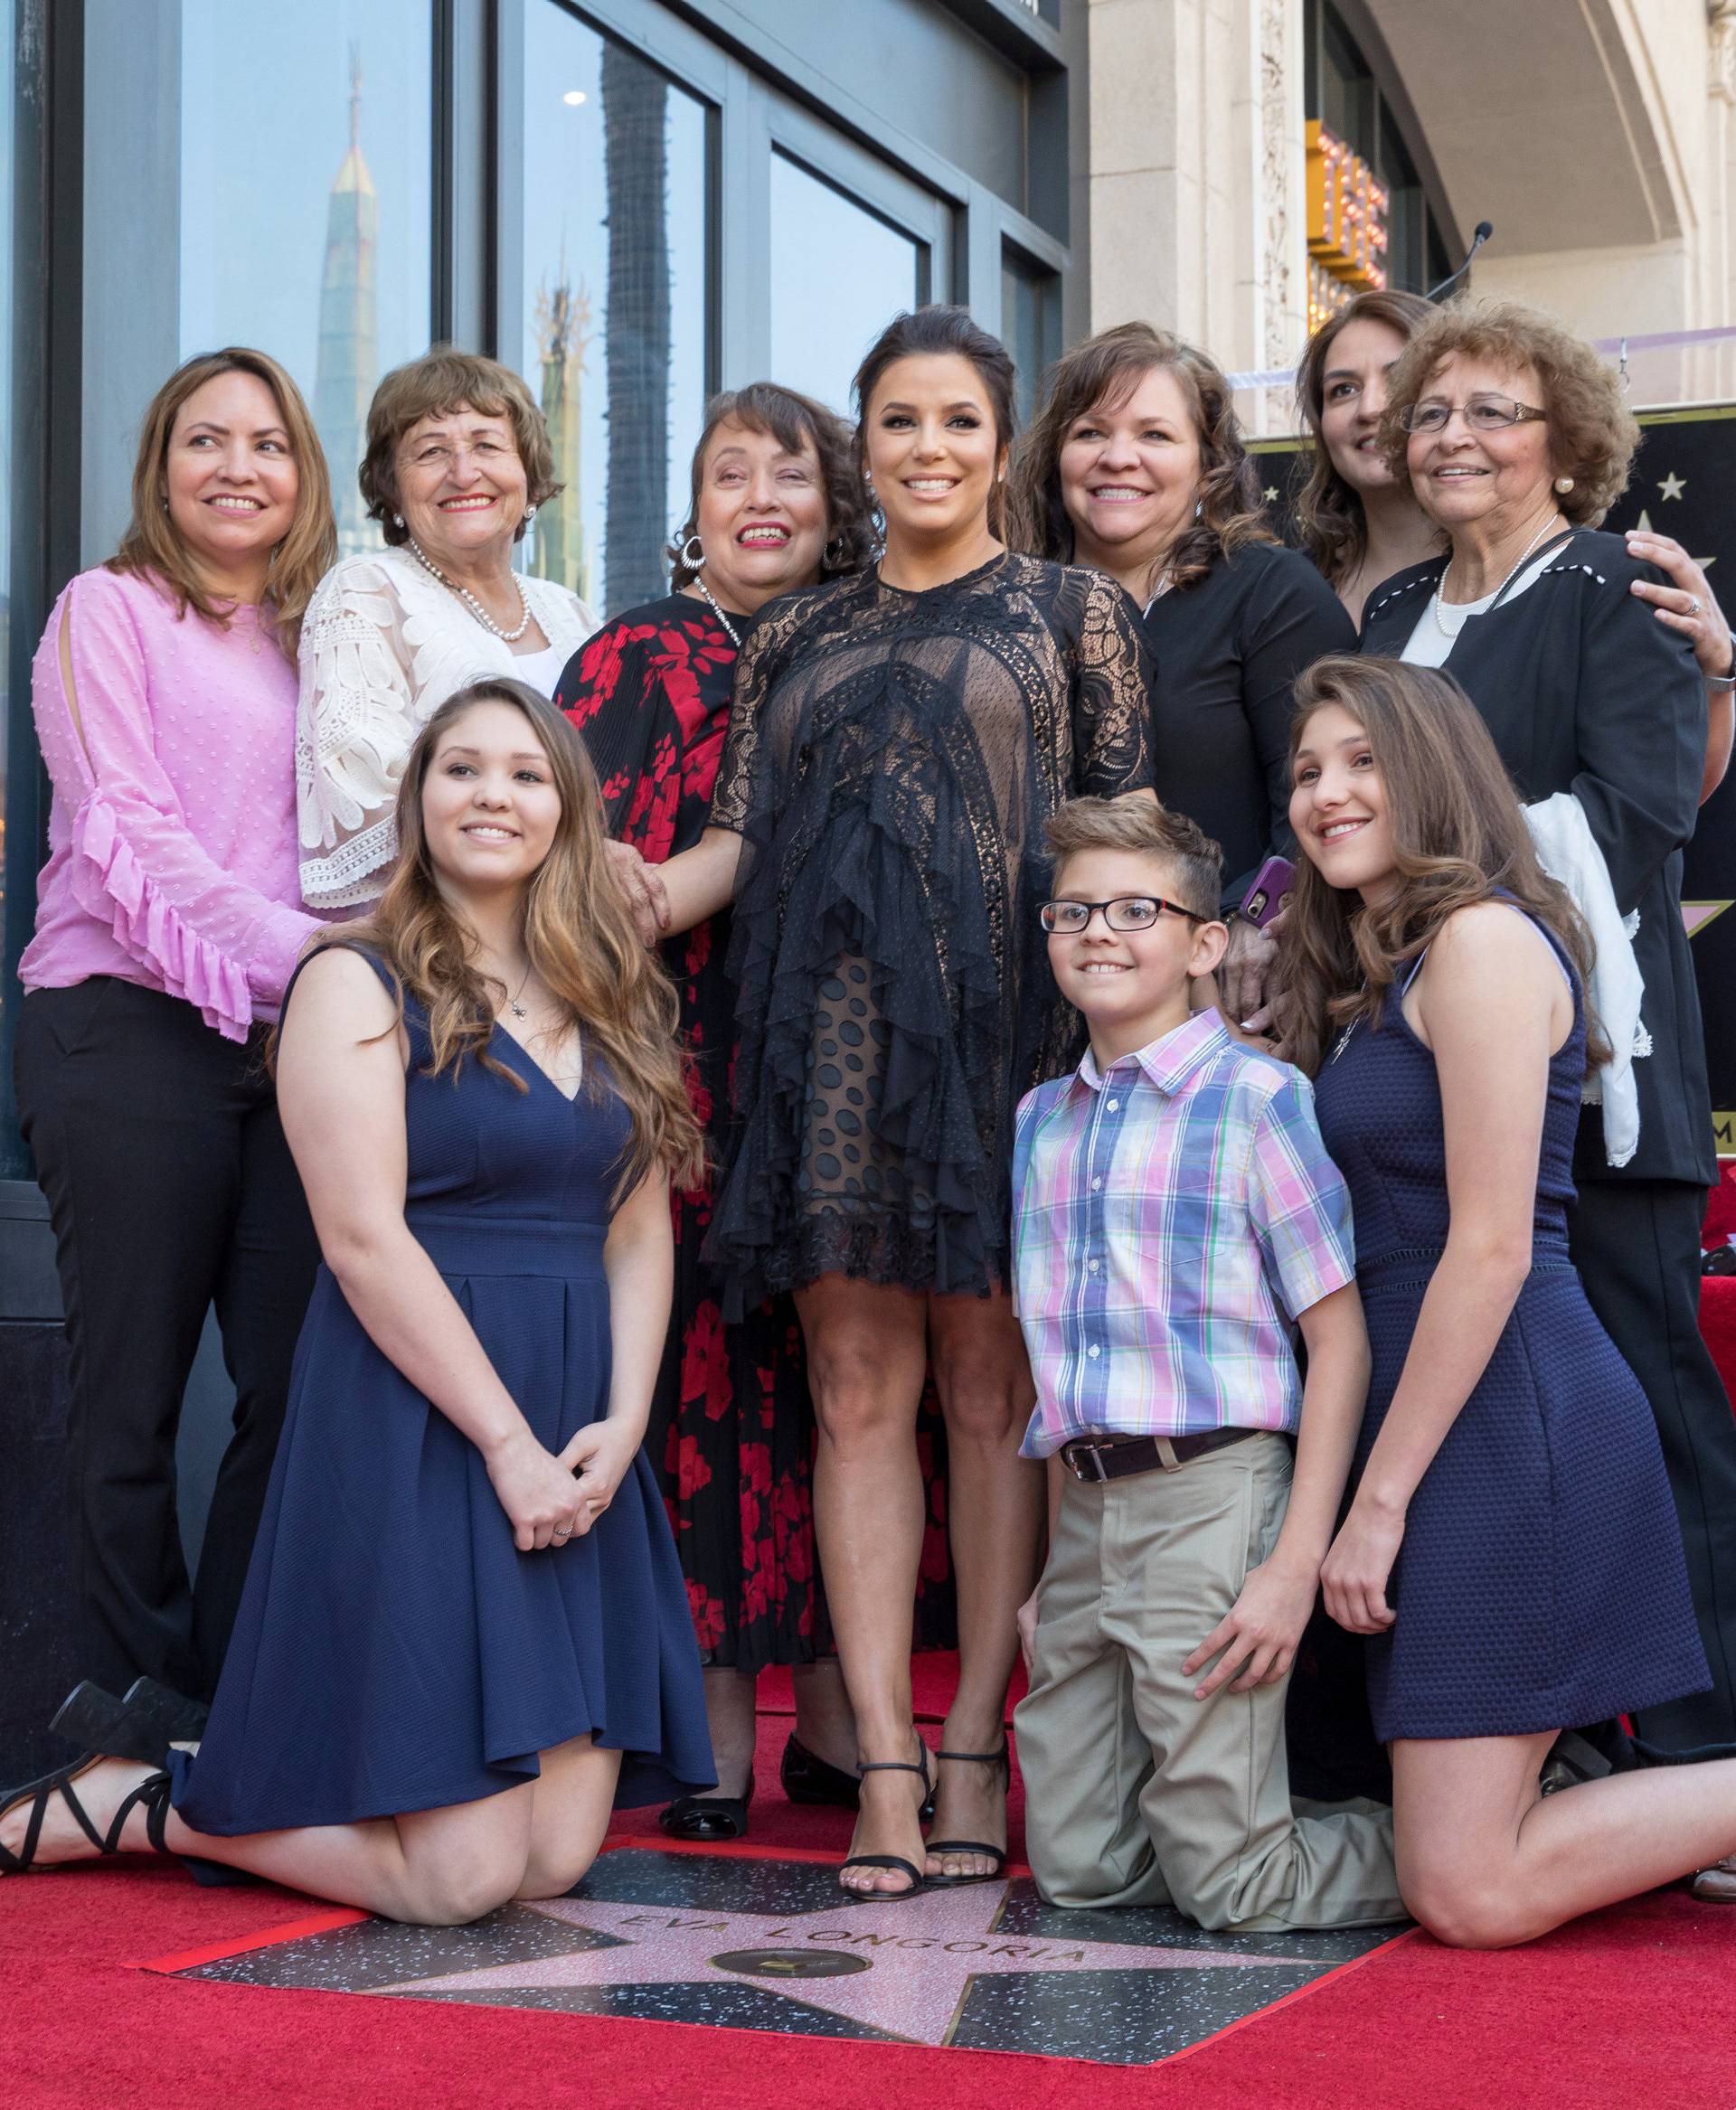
1586	691
1228	650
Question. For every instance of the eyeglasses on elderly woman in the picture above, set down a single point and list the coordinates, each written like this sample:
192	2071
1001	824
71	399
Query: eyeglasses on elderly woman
1489	413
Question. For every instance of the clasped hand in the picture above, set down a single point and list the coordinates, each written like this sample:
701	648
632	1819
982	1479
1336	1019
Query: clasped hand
549	1499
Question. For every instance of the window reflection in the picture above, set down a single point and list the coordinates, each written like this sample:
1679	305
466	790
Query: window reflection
316	246
838	275
615	291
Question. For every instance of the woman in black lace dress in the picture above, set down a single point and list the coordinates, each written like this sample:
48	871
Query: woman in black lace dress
897	742
777	504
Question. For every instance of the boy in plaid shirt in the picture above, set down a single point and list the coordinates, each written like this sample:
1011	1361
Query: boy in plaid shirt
1175	1215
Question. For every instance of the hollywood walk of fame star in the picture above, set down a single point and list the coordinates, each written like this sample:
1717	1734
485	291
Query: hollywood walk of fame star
1673	485
924	1955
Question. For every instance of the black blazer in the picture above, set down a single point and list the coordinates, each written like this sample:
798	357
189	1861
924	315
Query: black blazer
1227	651
1585	691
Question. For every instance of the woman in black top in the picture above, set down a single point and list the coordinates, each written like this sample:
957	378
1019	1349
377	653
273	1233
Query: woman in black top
1514	438
898	741
1135	464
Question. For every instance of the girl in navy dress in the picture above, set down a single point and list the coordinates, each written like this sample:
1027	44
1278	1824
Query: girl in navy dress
464	1637
1512	1550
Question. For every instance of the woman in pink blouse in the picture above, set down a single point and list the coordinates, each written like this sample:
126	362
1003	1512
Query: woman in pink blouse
168	922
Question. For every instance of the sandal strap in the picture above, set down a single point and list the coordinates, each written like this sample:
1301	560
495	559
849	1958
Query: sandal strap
152	1795
41	1792
994	1853
976	1758
895	1861
894	1765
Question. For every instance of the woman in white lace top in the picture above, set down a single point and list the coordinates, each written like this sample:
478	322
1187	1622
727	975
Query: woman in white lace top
457	462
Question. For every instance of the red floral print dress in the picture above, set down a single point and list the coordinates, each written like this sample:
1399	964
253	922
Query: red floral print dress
731	1428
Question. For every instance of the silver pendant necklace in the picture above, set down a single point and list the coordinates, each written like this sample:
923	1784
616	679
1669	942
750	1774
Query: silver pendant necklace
513	1004
470	600
1440	623
729	630
1343	1041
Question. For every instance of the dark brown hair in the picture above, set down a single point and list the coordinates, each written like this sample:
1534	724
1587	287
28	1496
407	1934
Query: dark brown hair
795	422
1328	513
438	383
1133	822
1100	375
1592	433
579	938
940	331
151	545
1458	837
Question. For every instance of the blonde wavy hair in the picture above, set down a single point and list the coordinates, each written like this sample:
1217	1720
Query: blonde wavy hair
1592	433
151	546
579	939
1458	837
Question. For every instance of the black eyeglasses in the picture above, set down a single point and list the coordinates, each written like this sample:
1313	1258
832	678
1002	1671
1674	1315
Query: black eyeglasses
1482	414
1126	912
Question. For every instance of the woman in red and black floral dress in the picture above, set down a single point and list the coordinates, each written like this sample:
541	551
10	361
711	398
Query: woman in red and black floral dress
776	504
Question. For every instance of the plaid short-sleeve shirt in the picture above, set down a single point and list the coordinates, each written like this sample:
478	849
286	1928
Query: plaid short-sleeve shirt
1171	1219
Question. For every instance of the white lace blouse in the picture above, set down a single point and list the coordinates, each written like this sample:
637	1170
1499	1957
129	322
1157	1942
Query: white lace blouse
382	646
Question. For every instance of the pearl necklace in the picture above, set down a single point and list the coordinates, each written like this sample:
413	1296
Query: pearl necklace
729	630
1435	602
470	600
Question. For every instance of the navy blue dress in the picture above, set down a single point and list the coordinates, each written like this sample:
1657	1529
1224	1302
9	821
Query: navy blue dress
394	1650
1540	1584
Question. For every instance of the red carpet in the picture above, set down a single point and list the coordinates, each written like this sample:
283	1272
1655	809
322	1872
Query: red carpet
1631	2010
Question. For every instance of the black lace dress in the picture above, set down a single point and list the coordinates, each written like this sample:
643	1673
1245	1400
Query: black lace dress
891	759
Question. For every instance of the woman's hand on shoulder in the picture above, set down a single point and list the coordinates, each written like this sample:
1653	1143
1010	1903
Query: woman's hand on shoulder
1687	603
641	888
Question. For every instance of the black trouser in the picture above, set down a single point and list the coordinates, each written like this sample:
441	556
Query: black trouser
170	1187
1636	1245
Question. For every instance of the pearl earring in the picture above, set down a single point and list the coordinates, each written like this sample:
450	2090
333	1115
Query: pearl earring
530	514
1563	485
397	520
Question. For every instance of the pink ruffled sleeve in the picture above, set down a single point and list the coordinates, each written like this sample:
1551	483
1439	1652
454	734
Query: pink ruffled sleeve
213	939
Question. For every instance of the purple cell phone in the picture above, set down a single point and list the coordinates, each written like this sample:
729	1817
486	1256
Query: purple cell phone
1271	888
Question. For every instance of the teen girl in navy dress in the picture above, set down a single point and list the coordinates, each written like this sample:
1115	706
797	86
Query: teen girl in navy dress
1512	1546
464	1636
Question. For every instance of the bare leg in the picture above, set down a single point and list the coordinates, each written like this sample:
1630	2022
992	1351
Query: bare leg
1486	1861
433	1867
994	1500
728	1715
572	1802
824	1722
866	1360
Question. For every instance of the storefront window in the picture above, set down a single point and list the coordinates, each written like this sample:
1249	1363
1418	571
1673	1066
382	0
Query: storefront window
325	264
1030	325
615	274
839	274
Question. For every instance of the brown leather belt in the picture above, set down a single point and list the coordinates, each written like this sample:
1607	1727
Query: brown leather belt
1117	1457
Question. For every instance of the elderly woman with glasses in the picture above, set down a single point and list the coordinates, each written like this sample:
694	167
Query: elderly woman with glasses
1512	436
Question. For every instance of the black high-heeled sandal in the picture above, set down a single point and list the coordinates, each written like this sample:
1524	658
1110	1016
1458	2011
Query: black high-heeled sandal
998	1854
708	1816
142	1726
895	1861
151	1794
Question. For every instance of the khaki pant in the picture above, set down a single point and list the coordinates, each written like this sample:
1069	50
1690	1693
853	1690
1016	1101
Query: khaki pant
1136	1792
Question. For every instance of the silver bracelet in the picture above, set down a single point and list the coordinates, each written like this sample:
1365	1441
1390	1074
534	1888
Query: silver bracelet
1725	681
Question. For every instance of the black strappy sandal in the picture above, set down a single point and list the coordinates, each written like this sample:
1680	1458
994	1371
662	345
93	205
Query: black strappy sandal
151	1795
998	1854
142	1726
891	1861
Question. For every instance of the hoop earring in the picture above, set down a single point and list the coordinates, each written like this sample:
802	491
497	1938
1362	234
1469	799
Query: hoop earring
1563	485
692	554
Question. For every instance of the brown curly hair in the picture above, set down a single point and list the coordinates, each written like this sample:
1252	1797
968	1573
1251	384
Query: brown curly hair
579	938
794	421
1101	373
1592	433
1329	514
1458	837
440	382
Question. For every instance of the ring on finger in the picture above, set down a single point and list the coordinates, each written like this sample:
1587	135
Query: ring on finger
1695	605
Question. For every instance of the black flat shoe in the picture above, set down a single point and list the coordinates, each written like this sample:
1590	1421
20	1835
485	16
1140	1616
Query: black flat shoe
708	1816
151	1794
891	1860
998	1854
809	1779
